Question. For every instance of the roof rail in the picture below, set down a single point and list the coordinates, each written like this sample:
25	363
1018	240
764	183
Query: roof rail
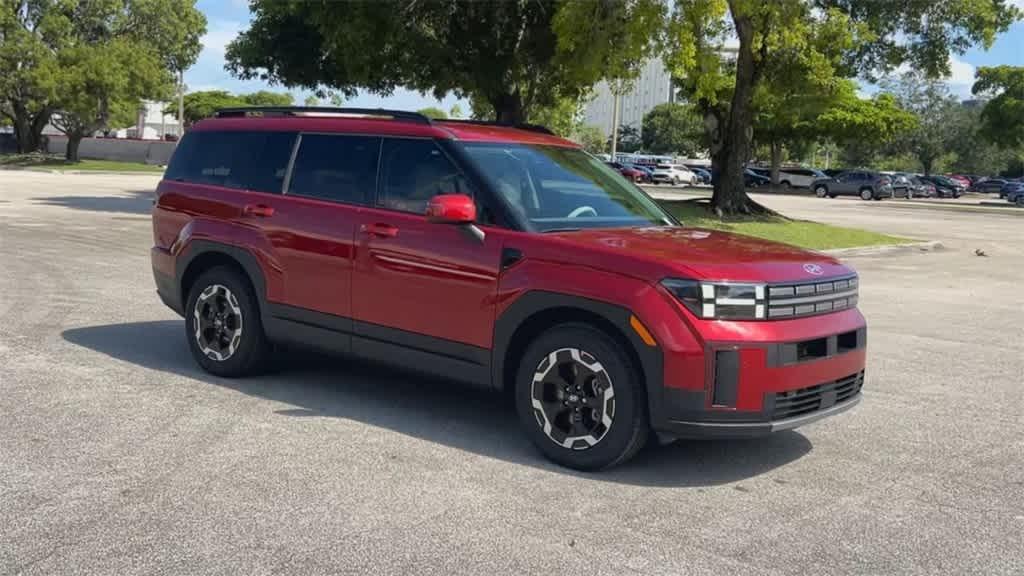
530	127
265	111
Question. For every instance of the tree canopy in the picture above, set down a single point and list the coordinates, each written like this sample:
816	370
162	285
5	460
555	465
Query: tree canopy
824	38
51	49
433	112
673	128
203	104
1002	119
515	55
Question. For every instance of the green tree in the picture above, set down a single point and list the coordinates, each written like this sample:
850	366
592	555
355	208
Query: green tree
936	110
1002	119
44	43
863	128
203	104
311	100
673	128
863	38
455	111
514	55
337	100
102	85
267	98
433	112
591	138
629	140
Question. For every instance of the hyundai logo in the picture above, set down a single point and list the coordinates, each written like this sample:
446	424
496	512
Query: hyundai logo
813	269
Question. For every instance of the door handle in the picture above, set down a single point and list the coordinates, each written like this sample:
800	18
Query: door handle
380	230
259	210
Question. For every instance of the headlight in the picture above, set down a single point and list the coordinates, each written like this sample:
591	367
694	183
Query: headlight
719	300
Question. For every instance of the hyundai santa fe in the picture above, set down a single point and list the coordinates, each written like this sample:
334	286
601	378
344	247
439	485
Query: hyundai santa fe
502	257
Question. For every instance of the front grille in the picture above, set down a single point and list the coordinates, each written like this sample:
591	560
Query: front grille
811	298
803	401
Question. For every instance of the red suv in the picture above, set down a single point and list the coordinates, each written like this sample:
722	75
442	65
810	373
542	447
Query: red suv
504	257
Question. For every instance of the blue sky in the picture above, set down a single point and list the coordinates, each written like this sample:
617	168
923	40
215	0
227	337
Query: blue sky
226	18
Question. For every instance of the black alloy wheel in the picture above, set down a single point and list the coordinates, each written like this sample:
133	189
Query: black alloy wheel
579	398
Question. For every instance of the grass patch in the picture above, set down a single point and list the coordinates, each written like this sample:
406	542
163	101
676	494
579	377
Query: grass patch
802	233
58	163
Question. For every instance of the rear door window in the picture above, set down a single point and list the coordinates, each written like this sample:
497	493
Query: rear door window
243	160
339	168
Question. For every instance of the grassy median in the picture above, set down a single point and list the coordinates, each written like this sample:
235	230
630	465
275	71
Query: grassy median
803	233
58	163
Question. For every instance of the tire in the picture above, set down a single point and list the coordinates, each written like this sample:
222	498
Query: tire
821	192
247	349
867	194
593	443
785	185
1020	200
675	180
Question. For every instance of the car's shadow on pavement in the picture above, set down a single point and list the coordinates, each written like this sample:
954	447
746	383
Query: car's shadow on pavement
434	410
136	202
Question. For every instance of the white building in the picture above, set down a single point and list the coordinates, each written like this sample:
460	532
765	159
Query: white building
652	87
151	123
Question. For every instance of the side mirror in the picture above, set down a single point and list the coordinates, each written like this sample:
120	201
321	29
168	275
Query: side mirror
451	209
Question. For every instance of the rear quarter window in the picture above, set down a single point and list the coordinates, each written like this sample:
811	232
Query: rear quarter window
243	160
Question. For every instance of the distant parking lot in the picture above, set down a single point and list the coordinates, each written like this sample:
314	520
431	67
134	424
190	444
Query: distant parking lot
119	456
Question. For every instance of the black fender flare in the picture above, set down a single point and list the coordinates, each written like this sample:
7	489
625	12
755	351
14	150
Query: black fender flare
197	248
538	301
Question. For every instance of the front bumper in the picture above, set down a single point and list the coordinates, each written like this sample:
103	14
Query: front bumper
811	404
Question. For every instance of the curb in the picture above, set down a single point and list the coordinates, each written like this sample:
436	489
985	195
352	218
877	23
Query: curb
929	246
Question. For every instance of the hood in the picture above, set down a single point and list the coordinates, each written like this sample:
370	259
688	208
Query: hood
702	254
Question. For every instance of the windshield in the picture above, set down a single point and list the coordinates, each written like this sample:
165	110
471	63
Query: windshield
555	188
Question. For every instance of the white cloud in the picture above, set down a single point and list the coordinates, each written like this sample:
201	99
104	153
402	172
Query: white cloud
961	76
218	35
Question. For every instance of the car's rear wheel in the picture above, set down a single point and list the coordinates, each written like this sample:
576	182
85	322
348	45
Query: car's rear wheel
579	398
867	194
821	191
222	324
786	185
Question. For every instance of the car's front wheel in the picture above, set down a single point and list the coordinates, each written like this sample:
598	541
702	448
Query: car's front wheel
867	194
222	324
579	398
821	191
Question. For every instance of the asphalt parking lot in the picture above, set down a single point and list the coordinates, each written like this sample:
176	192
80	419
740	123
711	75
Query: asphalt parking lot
118	456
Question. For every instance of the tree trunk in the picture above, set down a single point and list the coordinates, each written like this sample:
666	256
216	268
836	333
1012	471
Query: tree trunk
28	128
71	153
508	108
927	165
730	196
776	161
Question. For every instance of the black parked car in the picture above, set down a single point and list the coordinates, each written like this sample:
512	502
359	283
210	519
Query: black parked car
864	183
992	185
906	185
944	187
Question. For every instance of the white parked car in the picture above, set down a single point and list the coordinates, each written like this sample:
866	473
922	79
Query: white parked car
799	177
674	174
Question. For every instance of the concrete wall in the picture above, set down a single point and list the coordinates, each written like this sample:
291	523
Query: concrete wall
154	152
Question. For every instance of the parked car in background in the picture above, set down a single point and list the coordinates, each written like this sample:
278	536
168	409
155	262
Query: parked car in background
864	183
673	174
1014	193
799	177
961	179
754	179
631	174
703	174
1007	186
989	185
945	187
910	186
647	170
